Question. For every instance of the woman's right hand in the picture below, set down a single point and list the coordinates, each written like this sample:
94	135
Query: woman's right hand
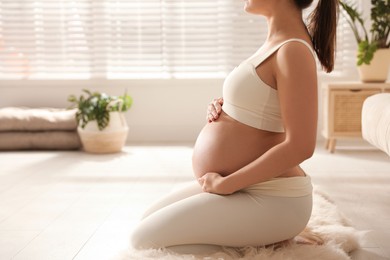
214	109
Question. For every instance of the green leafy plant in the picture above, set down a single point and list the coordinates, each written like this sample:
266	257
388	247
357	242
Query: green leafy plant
97	106
380	28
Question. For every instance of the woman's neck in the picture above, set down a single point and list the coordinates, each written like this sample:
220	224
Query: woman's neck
285	22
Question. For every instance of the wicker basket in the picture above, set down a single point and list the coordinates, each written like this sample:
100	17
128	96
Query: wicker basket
109	140
103	142
378	69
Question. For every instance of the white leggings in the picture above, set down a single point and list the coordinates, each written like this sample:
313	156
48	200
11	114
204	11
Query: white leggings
189	219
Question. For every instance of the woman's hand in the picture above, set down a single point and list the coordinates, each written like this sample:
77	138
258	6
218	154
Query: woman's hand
213	182
214	109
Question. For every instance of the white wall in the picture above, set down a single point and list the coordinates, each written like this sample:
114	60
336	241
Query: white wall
163	110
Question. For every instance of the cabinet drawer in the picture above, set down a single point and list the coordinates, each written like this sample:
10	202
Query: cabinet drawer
346	108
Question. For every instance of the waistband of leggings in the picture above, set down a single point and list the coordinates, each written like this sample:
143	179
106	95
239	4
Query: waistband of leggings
298	186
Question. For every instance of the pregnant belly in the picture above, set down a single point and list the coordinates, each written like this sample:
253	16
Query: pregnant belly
226	145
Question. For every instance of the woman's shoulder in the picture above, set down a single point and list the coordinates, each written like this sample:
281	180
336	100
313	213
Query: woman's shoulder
295	59
296	52
296	46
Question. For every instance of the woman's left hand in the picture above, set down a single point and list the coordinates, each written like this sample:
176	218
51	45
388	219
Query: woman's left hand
213	182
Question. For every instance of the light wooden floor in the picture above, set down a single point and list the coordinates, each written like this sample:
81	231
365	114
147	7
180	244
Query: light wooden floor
73	205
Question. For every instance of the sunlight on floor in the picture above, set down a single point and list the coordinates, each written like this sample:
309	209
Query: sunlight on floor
73	205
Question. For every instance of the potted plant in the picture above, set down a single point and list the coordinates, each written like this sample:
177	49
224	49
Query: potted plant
373	56
102	126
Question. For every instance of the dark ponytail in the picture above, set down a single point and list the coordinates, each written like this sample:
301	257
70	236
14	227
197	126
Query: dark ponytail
322	28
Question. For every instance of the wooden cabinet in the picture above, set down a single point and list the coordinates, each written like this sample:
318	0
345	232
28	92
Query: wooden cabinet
342	107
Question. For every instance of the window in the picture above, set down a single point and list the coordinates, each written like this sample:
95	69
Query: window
109	39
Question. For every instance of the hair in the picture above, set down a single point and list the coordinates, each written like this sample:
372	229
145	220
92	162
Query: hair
322	29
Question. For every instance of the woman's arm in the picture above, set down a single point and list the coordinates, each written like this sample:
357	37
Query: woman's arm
296	77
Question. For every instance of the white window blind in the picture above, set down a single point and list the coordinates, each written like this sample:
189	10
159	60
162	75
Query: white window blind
95	39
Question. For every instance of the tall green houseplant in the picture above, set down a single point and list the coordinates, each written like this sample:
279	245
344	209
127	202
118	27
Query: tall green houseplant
380	28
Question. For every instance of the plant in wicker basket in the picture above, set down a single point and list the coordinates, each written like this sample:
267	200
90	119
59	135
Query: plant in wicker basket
97	106
102	125
380	28
373	54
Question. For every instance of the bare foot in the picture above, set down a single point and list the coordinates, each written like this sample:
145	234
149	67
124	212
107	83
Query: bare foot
308	237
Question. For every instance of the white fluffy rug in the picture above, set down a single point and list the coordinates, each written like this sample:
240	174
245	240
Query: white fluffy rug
328	236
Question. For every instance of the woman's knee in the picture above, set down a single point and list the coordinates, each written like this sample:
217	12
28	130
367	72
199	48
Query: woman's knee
141	239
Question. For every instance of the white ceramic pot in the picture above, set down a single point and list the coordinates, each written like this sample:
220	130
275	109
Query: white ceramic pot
378	69
109	140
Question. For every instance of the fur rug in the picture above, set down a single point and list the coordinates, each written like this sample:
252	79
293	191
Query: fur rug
328	236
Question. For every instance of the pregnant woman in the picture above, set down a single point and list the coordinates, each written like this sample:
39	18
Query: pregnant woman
249	188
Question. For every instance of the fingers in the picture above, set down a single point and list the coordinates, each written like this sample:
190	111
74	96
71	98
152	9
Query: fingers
217	106
212	113
202	183
214	109
220	101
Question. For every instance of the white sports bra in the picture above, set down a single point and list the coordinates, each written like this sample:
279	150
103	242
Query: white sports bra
248	99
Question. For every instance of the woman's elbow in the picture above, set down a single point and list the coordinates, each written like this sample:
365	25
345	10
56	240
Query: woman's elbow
308	152
303	150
